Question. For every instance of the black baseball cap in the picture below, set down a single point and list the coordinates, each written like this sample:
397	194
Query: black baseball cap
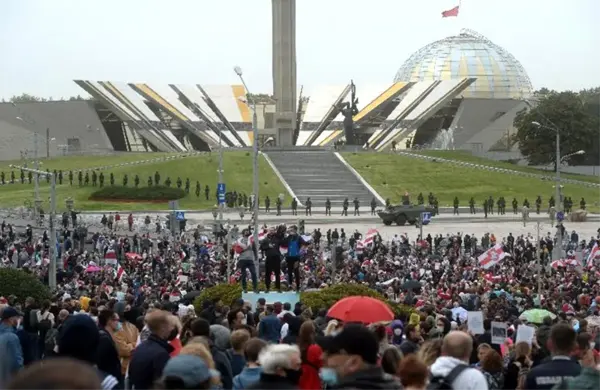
354	339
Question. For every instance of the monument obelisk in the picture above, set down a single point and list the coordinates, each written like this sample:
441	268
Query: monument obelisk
284	69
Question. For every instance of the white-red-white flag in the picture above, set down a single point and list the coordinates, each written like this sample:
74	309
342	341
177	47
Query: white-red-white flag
594	253
492	256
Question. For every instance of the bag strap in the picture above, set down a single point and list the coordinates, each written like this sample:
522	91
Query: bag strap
455	372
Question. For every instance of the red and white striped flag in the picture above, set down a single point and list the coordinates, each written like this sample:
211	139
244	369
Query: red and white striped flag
368	239
594	253
120	273
110	258
492	256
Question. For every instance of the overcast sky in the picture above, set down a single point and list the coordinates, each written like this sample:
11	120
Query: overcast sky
45	44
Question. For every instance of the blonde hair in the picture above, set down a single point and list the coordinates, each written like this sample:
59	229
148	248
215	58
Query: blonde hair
430	351
198	348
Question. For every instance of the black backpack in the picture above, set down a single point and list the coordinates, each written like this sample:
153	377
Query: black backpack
445	382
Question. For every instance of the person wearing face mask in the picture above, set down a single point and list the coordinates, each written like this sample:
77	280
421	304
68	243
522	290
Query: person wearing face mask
281	367
107	355
150	357
11	354
350	361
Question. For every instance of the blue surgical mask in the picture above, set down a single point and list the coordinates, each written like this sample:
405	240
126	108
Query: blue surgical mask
329	376
119	326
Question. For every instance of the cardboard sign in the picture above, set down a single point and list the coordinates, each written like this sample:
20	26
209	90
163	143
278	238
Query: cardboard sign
498	332
475	322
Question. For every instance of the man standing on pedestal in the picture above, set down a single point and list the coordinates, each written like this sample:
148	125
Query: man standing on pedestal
293	242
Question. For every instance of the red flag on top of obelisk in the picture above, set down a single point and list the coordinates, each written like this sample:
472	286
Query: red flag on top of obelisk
451	12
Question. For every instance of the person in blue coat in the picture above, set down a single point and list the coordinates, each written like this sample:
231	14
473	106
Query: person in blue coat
269	327
11	354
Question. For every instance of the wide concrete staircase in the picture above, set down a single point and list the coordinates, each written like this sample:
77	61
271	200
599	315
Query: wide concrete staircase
319	174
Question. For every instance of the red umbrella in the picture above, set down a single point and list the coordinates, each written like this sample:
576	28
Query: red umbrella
361	309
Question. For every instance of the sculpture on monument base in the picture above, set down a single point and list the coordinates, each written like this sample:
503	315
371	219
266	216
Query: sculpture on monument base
348	110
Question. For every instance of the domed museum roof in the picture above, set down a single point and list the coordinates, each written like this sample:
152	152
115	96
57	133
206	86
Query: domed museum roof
469	54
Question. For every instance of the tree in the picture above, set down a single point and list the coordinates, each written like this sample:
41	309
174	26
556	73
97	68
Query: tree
571	114
26	98
22	285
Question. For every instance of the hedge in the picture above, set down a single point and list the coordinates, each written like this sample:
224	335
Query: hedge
22	285
325	298
142	193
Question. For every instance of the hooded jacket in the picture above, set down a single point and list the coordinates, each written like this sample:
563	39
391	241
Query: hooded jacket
469	379
11	355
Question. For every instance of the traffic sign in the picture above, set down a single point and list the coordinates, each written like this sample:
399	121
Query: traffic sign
180	215
221	193
560	216
426	217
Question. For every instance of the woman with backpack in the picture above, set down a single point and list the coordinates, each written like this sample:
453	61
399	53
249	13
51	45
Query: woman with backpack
45	322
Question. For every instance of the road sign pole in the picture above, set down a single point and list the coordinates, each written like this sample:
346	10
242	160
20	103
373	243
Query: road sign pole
421	225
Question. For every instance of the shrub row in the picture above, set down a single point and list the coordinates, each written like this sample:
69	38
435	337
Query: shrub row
322	299
22	285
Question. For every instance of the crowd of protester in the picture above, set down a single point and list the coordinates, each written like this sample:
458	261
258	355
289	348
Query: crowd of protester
122	314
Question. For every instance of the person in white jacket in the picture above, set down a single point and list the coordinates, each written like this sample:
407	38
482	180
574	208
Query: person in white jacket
456	350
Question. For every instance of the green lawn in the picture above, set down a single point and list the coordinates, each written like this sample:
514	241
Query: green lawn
466	156
237	168
392	175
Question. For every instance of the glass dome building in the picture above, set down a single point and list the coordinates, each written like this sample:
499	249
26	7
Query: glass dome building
469	54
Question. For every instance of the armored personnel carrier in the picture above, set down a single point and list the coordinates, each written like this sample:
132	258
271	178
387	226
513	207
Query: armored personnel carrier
403	214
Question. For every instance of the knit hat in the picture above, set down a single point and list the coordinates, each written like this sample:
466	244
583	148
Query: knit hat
78	338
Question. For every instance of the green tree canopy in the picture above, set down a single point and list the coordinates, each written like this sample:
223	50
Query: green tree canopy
574	115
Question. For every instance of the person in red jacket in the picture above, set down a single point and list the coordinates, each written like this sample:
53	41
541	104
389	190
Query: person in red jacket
311	357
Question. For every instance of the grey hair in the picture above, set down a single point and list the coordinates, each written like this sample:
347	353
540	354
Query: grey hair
276	356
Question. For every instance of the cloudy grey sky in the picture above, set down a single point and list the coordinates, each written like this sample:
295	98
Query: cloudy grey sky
44	44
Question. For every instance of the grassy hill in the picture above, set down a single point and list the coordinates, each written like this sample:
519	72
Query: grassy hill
392	175
462	155
237	174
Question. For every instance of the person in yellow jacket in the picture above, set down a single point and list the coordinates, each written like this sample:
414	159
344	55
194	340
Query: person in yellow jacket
126	336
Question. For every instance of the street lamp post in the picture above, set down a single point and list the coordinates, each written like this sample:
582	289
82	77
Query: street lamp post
221	205
558	202
53	254
238	71
36	179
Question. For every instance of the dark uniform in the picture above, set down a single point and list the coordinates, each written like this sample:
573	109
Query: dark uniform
179	182
420	198
22	176
485	208
491	205
515	205
472	205
327	207
187	185
87	178
278	205
581	202
345	207
125	180
308	210
94	178
356	207
373	206
156	178
294	206
538	204
168	182
206	192
456	205
267	204
101	179
60	177
149	181
136	181
12	177
29	176
71	177
2	177
112	179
